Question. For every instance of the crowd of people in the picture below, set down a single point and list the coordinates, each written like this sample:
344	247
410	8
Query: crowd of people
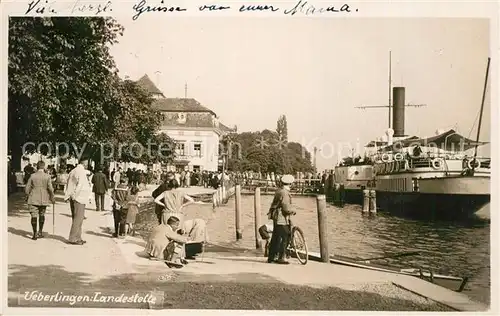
174	239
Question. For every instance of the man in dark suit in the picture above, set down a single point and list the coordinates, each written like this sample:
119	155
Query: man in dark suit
40	195
101	186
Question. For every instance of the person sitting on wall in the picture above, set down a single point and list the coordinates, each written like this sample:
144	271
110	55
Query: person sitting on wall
196	231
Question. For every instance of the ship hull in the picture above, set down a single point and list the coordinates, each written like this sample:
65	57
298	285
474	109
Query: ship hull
354	196
431	205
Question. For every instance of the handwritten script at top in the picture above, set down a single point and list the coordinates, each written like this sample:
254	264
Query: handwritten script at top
77	7
141	7
300	7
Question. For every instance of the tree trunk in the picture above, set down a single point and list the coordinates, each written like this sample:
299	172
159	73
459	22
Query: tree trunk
16	154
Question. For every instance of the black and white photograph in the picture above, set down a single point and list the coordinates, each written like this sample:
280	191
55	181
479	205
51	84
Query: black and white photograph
297	157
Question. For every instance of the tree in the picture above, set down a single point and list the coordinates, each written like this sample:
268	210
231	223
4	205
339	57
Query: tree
64	88
134	129
282	128
264	151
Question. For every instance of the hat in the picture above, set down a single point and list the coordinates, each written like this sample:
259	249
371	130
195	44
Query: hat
287	179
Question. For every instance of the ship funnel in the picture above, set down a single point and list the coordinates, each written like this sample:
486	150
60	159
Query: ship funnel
398	118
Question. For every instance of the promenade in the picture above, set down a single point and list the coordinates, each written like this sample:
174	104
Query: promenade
225	276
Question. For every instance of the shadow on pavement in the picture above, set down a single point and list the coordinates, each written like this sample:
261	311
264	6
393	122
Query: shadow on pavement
20	232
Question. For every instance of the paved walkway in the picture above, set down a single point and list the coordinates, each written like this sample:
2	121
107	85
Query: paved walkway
107	264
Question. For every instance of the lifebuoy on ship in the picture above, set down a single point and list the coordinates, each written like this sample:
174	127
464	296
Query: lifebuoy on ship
399	157
386	158
437	163
471	161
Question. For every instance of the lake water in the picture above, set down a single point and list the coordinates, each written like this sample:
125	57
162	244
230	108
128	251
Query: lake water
447	248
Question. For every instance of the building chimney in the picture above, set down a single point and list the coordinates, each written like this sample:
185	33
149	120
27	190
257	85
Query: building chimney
398	116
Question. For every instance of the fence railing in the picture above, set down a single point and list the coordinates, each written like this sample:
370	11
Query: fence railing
301	186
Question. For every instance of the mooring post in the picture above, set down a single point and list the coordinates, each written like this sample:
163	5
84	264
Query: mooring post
322	228
342	195
373	201
258	243
237	200
366	201
336	194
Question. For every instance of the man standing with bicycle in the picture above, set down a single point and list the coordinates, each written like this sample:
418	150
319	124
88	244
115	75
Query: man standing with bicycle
280	212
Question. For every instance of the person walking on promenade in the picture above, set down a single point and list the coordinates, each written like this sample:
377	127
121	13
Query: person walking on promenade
169	177
133	210
40	195
120	207
100	187
78	193
116	177
279	212
28	171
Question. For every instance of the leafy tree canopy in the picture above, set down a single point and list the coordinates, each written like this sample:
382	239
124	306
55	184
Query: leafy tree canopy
265	151
64	88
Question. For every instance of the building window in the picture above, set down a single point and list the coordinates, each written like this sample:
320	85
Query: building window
180	149
197	150
181	118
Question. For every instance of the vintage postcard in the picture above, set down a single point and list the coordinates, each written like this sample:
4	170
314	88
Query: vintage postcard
171	156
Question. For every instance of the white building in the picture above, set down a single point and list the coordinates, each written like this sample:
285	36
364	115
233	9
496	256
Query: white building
195	129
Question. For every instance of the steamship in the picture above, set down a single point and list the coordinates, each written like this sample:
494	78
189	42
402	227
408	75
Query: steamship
435	176
355	174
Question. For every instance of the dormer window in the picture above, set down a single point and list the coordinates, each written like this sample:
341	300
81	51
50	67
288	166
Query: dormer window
215	121
181	118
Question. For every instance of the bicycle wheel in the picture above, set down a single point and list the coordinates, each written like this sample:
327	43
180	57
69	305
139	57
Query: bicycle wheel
299	245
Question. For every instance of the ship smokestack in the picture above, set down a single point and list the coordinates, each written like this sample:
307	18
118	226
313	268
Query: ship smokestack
398	118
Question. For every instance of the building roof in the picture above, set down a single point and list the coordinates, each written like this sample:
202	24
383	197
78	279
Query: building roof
180	105
147	84
449	141
224	128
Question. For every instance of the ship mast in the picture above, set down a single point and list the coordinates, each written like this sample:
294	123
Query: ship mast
390	85
481	114
390	105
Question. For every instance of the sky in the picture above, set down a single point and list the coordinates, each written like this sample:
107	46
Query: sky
316	71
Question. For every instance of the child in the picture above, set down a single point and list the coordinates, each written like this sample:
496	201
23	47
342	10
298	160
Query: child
120	207
265	232
133	209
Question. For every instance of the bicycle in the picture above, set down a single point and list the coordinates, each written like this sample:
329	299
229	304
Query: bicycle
297	245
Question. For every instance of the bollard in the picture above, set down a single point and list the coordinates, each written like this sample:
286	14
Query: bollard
373	201
214	200
336	192
237	200
219	196
366	201
322	228
257	214
342	195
